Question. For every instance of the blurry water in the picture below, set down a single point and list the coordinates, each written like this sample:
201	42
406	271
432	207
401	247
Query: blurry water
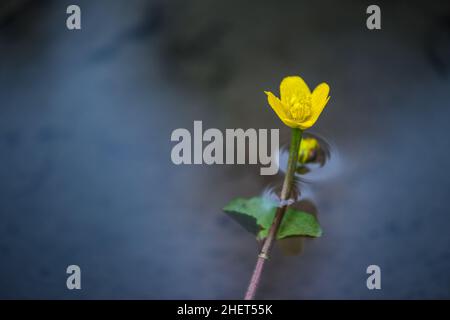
86	176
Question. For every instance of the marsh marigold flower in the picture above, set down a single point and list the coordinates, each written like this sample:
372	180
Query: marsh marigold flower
297	106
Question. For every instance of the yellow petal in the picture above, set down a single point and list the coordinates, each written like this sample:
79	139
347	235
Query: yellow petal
306	124
320	95
291	123
293	87
319	99
276	104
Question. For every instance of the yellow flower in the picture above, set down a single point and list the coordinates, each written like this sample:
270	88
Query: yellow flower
298	107
308	148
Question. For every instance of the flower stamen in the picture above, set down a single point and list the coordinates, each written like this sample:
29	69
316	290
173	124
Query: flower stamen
300	107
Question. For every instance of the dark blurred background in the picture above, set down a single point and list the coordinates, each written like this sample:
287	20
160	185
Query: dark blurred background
85	124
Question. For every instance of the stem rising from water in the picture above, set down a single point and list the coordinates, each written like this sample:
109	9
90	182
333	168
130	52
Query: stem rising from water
286	191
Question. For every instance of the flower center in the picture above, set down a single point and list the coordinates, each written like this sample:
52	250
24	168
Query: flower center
300	107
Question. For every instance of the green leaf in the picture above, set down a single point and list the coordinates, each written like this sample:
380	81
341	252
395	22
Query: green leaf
296	223
253	214
262	210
